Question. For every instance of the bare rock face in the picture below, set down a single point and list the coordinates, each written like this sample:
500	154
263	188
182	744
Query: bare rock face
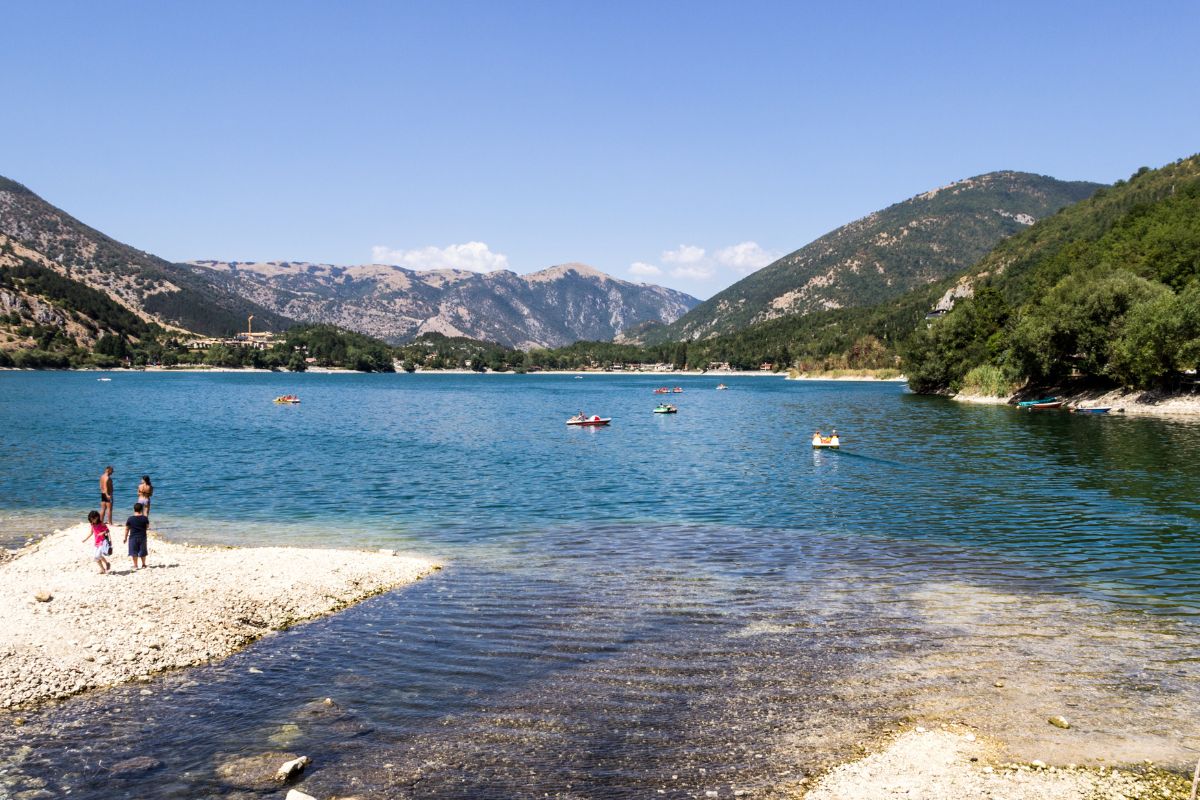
550	308
963	289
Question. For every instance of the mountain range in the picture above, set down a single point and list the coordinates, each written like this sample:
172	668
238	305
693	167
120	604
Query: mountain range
912	243
549	308
45	249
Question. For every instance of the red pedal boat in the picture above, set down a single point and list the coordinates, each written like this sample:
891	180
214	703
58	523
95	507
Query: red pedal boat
586	420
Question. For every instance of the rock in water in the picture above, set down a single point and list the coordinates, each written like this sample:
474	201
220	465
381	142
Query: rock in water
134	766
253	772
296	794
291	769
1059	722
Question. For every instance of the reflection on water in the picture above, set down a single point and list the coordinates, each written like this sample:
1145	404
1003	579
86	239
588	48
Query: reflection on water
686	604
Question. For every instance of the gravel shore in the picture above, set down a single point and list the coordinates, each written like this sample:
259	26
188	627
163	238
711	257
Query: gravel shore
1147	403
950	765
69	628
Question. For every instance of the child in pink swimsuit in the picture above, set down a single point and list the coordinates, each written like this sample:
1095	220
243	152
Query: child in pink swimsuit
100	541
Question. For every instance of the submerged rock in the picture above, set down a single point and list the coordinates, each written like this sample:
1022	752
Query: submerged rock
134	766
285	735
253	771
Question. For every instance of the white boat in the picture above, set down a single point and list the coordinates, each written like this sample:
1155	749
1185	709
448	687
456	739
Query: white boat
594	419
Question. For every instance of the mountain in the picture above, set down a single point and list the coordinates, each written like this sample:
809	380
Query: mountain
48	319
884	254
172	294
1107	290
550	308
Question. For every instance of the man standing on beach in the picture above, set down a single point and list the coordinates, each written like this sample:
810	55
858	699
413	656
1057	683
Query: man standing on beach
136	529
106	492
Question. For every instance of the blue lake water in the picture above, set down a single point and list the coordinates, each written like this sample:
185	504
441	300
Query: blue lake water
683	603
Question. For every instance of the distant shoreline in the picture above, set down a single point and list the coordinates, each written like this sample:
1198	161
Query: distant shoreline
339	371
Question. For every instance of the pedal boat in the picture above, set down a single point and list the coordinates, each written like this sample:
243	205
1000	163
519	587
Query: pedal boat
593	420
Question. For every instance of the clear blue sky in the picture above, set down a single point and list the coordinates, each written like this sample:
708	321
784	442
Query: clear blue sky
610	133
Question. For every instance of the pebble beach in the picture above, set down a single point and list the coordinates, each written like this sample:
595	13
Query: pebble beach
71	629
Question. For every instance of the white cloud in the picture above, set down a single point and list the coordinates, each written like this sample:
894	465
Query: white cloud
696	273
473	256
684	254
745	257
694	263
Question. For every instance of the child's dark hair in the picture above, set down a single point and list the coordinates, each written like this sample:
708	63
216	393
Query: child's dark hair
137	508
93	517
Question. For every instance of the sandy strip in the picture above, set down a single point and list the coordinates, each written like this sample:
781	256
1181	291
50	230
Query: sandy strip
816	376
192	605
947	765
981	399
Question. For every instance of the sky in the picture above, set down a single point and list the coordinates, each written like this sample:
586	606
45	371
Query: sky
678	143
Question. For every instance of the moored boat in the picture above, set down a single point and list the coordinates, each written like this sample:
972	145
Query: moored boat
662	390
1043	402
666	408
1092	409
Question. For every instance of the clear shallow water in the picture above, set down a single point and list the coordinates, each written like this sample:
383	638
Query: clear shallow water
687	602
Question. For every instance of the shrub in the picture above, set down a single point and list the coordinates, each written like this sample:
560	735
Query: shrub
990	381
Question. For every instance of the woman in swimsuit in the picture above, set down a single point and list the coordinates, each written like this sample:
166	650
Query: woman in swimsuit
145	489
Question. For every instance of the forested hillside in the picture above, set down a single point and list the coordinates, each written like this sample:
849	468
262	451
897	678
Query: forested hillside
1106	290
907	245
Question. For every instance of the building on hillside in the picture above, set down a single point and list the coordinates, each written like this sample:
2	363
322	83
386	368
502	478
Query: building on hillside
257	341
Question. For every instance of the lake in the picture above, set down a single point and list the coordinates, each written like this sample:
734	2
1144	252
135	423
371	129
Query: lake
686	603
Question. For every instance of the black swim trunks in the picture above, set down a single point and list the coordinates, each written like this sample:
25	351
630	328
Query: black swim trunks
105	498
137	545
